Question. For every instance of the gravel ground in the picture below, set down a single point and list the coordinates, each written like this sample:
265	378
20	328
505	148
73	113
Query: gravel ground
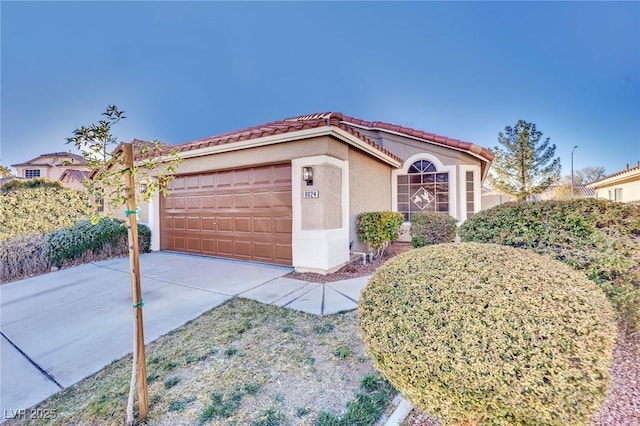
352	270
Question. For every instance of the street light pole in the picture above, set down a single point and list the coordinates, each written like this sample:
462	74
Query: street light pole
574	148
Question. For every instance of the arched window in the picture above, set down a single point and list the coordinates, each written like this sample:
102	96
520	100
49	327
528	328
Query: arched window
423	188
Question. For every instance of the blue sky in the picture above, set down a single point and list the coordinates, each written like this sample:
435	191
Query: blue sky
183	71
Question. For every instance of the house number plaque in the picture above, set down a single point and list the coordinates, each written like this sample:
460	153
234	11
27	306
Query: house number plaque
312	194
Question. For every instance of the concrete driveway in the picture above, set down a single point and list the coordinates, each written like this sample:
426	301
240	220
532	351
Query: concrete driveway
58	328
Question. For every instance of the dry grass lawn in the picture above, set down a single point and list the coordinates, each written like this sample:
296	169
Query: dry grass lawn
243	363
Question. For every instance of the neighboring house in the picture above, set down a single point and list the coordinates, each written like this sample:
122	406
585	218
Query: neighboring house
73	179
621	186
563	192
289	192
50	166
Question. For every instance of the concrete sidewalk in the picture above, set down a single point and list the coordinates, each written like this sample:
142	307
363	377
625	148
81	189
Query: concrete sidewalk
61	327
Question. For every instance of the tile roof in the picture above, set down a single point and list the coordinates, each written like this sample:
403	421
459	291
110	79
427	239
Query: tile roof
78	159
425	136
628	170
280	127
78	175
349	124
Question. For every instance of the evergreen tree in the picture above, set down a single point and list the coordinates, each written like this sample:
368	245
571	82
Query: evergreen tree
524	165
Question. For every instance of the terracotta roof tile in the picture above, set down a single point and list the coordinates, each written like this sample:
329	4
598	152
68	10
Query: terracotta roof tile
429	137
78	175
336	119
280	127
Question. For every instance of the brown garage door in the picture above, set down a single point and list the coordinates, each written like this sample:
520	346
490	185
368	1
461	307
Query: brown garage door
242	214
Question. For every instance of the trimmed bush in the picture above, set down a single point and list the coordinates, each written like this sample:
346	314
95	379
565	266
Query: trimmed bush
23	256
489	334
82	242
87	241
598	237
38	206
432	228
379	229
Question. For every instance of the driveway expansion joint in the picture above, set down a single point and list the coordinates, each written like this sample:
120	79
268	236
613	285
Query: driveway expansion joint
32	362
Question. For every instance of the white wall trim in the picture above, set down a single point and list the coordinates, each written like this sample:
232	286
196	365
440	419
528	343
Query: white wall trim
477	188
318	250
453	188
153	217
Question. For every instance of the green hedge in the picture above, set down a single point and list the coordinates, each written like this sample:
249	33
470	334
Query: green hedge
37	206
379	229
489	334
432	228
598	237
106	238
23	256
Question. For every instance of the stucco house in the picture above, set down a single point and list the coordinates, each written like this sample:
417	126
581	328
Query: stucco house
73	179
289	192
623	186
50	166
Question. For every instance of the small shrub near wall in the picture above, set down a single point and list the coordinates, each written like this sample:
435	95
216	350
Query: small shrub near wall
432	228
488	334
379	229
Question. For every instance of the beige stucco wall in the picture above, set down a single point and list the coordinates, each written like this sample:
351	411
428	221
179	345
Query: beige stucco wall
369	190
405	147
276	153
324	212
630	190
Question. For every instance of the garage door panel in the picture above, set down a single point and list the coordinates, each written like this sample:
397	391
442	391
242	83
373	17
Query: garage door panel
192	202
207	181
281	199
242	224
224	224
208	224
262	225
282	225
242	201
180	243
179	223
224	201
243	214
192	182
282	173
262	200
225	179
193	224
209	246
262	176
178	202
193	244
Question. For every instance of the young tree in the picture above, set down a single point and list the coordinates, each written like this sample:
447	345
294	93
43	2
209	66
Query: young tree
151	163
524	165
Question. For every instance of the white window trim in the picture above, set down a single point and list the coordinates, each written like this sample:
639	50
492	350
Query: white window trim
462	170
440	168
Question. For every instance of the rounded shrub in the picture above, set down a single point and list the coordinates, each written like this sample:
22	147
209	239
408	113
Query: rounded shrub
432	228
488	334
598	237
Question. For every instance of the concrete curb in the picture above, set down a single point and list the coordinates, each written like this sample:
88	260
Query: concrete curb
400	413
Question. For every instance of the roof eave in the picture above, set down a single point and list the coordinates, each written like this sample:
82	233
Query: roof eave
290	137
